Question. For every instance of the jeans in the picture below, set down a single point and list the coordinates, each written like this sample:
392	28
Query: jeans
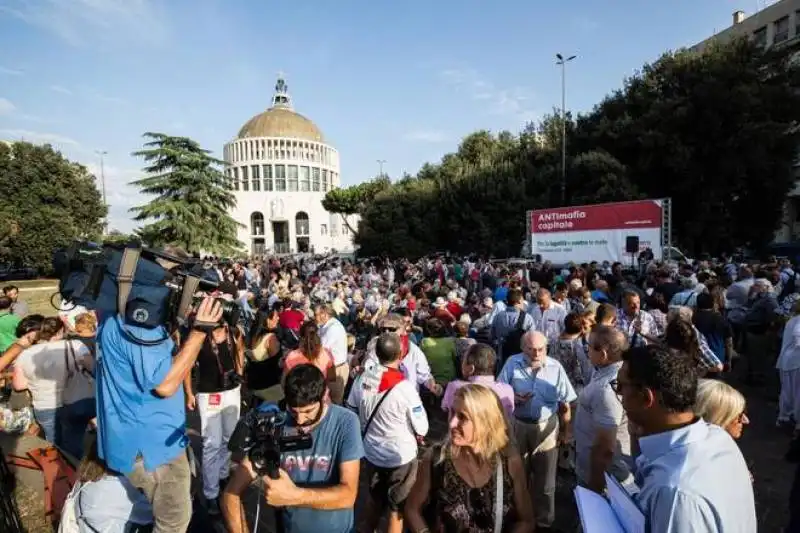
168	490
47	420
74	419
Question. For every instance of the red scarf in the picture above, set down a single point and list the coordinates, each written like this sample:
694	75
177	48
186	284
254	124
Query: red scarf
390	378
404	345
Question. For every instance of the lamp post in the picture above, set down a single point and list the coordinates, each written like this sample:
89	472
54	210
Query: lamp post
380	167
102	154
562	62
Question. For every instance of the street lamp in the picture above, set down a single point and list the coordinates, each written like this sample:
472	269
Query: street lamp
380	167
562	62
102	154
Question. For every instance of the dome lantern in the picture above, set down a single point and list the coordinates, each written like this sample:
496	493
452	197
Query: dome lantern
281	120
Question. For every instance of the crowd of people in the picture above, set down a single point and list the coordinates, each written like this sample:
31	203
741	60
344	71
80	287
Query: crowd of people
444	395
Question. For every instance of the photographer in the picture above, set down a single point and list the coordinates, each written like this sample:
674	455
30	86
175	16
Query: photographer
316	487
141	415
220	365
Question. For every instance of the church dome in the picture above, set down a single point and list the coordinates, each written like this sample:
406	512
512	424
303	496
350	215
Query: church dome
281	120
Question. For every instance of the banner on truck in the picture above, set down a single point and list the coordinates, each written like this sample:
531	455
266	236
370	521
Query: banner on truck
595	232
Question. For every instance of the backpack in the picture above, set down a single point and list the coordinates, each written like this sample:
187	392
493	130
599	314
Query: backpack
512	344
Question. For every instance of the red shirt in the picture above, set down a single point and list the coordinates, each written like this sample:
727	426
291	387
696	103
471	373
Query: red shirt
292	319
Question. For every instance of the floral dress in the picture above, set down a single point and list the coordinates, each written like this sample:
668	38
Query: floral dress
463	509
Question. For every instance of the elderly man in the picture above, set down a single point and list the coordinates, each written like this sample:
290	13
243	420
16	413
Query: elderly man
542	397
334	338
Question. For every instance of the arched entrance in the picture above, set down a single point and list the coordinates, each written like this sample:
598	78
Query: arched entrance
302	227
257	243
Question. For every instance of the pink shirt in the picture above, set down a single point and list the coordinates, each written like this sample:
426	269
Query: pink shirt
296	357
503	391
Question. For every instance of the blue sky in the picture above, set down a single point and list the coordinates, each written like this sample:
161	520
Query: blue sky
402	81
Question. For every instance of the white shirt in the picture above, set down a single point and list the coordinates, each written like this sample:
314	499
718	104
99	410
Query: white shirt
391	439
334	338
789	359
44	368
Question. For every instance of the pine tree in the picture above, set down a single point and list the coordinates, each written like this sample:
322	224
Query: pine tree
192	200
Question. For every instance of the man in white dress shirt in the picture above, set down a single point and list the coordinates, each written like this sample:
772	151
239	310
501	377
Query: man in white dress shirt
334	338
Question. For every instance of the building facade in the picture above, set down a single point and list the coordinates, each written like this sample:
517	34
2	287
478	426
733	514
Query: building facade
280	168
778	25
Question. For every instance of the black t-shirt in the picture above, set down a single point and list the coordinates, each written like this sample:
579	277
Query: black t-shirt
212	367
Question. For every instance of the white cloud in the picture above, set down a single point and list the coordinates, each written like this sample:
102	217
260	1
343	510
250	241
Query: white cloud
426	136
514	101
37	137
77	21
60	89
10	71
6	107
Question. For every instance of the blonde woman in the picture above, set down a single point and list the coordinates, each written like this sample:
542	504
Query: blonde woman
457	482
720	404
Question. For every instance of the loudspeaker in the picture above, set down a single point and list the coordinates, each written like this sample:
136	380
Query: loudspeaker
632	244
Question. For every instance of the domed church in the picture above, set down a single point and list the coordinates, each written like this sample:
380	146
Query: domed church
279	168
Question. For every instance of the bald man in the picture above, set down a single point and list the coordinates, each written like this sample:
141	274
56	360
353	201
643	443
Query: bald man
542	397
602	439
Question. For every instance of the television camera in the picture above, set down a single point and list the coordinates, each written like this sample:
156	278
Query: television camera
260	434
147	288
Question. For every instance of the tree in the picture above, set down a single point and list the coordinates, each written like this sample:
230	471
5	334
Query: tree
192	200
49	202
352	200
715	132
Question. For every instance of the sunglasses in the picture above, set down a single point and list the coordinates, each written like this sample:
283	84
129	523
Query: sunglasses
389	330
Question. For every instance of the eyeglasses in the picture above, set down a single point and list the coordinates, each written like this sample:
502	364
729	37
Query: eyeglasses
617	385
389	330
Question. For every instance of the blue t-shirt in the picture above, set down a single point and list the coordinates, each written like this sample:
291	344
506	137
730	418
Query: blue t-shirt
131	418
337	440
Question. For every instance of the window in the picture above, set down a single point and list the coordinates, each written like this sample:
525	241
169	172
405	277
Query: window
324	229
304	179
280	177
256	224
781	30
760	37
345	231
292	178
245	183
315	179
301	224
267	177
254	175
325	180
235	179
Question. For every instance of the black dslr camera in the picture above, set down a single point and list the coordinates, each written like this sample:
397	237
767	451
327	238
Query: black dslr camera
260	434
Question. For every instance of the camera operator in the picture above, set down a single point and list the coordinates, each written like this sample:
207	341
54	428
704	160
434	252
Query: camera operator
141	415
220	365
316	487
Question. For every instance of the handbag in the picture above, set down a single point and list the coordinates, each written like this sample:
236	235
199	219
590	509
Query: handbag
79	384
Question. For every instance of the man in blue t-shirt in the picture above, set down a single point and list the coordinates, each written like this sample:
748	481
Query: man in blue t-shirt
316	488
